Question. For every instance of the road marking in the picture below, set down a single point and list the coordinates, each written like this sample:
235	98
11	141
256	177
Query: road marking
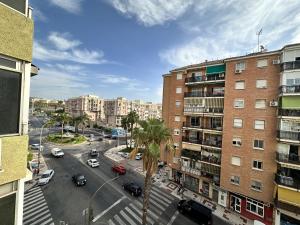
149	211
32	193
160	196
33	197
140	212
29	221
156	204
35	212
159	200
173	218
109	208
159	191
117	218
27	204
34	208
134	215
47	221
131	222
110	222
41	219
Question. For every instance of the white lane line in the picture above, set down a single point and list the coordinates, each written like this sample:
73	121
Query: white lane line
131	222
152	201
153	208
110	222
46	222
41	219
135	216
153	215
34	208
141	214
160	196
33	197
33	189
159	200
27	204
173	218
161	192
35	212
29	221
118	219
109	208
32	192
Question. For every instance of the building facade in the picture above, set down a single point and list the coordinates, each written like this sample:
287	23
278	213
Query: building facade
45	105
91	105
235	130
16	41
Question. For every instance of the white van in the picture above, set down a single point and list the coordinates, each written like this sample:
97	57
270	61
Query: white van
57	152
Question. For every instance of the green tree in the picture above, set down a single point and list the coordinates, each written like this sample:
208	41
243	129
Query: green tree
125	125
62	118
76	121
132	119
83	121
151	135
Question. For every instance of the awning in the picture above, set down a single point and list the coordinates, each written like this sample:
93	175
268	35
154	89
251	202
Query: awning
34	70
210	70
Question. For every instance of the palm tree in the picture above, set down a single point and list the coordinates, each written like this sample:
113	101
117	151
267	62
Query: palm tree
83	120
132	119
62	118
76	120
150	136
125	124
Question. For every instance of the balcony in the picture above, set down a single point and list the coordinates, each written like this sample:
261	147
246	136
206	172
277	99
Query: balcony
203	110
292	89
203	94
193	141
289	112
288	158
217	144
205	79
290	65
289	135
287	181
211	159
199	126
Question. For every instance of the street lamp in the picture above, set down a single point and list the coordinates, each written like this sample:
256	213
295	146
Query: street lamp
90	214
40	147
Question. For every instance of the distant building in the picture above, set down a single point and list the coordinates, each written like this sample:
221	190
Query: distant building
91	105
45	105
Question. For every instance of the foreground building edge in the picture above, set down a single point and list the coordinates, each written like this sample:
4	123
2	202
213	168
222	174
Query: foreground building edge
236	136
15	71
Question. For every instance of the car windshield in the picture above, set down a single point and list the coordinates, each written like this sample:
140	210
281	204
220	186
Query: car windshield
80	177
45	175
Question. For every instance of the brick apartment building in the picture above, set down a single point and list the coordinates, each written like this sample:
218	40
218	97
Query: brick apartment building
235	125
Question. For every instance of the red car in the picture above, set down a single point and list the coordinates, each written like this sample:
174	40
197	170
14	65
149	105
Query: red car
119	169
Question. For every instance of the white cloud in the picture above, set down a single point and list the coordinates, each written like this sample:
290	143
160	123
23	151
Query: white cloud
63	41
39	15
224	28
152	12
72	6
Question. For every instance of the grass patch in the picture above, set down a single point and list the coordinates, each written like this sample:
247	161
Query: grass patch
130	149
56	138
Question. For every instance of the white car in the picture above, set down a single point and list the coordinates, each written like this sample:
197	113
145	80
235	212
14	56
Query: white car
57	152
46	177
138	156
36	147
93	163
126	155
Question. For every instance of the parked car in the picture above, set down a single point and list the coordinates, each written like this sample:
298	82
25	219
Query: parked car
46	177
196	211
126	155
133	188
160	164
36	147
93	163
94	153
79	179
119	169
57	152
139	156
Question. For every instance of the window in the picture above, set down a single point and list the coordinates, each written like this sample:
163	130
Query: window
261	83
291	82
239	85
235	180
178	103
240	66
177	118
176	131
235	160
237	123
178	90
259	125
260	103
238	103
237	141
258	144
255	207
256	185
262	63
179	76
256	164
18	5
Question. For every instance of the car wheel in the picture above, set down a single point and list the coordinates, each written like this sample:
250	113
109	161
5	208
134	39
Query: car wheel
77	183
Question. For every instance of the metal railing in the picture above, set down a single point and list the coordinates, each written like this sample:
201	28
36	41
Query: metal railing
203	110
290	65
199	126
195	79
287	181
288	158
289	89
211	159
289	135
217	144
203	94
194	141
289	112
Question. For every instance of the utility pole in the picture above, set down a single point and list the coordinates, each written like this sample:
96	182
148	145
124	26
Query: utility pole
258	34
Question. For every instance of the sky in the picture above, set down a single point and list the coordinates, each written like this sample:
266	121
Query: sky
114	48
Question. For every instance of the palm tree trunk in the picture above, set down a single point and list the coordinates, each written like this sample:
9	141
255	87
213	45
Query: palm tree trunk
126	140
147	188
62	131
131	130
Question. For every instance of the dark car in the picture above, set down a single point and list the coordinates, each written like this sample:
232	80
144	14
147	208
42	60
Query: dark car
119	169
94	153
195	211
133	188
79	179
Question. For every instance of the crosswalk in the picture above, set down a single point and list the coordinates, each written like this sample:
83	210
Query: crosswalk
36	210
132	214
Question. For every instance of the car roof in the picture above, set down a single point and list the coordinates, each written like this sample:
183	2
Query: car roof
79	175
93	160
199	207
56	149
47	171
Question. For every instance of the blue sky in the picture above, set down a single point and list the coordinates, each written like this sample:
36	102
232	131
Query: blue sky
114	48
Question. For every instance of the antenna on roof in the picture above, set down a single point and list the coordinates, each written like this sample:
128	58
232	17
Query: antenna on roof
258	34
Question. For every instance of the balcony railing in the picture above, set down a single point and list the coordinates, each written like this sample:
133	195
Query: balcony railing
217	144
203	110
287	181
196	79
289	89
290	65
194	141
289	135
207	168
289	112
203	94
288	158
199	126
211	159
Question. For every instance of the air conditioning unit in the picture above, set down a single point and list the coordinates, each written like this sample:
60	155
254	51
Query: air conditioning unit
277	61
238	71
273	103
